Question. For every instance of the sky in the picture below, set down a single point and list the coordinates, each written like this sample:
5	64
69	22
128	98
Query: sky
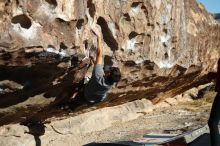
212	6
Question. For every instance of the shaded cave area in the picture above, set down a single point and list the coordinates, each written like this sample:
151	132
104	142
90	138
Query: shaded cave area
45	86
39	87
47	83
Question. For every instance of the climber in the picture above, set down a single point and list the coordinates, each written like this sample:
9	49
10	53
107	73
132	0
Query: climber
215	111
97	87
101	81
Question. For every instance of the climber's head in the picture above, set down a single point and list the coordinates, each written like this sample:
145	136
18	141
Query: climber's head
113	74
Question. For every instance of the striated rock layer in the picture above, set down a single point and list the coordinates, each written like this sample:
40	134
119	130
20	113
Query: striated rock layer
163	47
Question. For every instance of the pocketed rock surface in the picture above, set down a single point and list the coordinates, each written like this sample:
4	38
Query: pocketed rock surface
163	48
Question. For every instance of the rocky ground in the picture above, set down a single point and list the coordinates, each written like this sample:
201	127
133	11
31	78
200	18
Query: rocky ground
175	119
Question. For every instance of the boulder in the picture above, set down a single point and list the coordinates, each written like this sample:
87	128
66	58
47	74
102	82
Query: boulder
163	48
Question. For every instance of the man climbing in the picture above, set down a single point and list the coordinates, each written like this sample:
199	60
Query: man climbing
101	81
215	111
96	89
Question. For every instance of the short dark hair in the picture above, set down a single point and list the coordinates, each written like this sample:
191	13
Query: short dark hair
115	74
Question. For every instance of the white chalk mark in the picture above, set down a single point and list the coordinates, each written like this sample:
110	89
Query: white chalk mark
134	11
61	53
113	29
165	64
28	34
130	44
165	39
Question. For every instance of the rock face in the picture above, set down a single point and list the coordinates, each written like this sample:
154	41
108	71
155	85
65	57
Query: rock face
162	48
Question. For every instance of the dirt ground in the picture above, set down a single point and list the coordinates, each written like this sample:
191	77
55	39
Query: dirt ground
175	119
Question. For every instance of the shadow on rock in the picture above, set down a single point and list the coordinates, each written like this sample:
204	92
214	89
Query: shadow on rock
35	80
58	86
36	128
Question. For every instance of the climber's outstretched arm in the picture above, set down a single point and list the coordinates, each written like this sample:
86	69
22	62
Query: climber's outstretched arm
99	52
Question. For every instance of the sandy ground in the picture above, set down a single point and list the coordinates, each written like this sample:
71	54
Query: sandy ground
175	119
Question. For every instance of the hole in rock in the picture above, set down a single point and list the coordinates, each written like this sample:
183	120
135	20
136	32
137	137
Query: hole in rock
132	35
117	26
174	39
127	17
135	4
107	34
130	63
63	46
7	2
23	20
149	24
86	44
165	30
50	46
145	11
165	45
144	8
79	23
149	35
62	22
149	65
166	55
91	7
59	20
52	2
17	2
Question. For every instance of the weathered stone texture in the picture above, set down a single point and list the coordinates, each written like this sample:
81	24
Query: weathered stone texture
163	47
